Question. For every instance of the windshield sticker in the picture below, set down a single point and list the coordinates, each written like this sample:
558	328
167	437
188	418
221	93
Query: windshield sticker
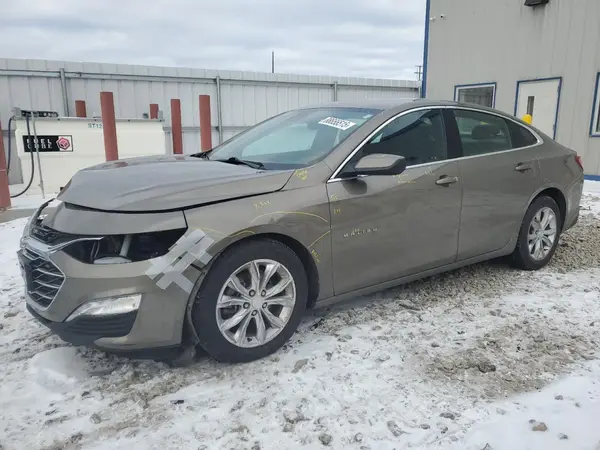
368	116
340	124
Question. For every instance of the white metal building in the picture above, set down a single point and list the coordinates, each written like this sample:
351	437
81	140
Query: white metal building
238	99
540	57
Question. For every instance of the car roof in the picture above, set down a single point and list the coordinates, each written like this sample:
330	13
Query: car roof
396	103
382	103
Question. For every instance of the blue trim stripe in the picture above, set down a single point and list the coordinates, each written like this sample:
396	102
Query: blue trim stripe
594	106
592	177
491	83
560	80
426	50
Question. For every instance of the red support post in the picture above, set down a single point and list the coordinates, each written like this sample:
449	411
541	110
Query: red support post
154	110
109	126
205	124
176	129
4	191
80	109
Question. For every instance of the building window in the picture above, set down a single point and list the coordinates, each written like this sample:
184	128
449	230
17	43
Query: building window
479	94
530	103
595	128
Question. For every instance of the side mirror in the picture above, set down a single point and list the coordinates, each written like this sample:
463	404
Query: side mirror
380	164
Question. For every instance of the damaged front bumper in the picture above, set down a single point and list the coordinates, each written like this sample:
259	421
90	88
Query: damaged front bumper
113	305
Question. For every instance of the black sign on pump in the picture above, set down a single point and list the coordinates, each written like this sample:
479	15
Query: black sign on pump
48	143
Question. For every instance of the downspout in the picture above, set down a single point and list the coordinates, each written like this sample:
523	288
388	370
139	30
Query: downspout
426	49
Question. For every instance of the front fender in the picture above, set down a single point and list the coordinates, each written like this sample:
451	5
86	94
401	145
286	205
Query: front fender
300	214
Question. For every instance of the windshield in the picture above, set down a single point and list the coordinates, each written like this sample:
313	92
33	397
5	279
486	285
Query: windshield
296	138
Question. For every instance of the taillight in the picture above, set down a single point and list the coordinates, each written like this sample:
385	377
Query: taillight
579	161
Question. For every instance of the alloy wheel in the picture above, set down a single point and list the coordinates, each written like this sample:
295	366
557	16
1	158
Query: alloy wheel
256	303
542	233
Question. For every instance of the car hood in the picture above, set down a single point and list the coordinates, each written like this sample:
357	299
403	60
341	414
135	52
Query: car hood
166	183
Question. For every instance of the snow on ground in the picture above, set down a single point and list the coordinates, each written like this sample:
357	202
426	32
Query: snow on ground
474	359
592	188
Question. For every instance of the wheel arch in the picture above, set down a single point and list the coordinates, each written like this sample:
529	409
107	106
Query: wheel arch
556	194
310	267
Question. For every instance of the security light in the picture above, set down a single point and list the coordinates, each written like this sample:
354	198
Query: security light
535	2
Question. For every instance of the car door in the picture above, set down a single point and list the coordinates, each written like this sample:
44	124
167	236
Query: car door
387	227
500	173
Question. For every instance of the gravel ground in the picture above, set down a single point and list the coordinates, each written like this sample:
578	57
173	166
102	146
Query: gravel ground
417	366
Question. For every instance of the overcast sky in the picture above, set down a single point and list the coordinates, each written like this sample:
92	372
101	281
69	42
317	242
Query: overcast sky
365	38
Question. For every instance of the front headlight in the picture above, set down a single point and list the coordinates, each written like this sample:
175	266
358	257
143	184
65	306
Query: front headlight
124	248
108	306
27	228
35	217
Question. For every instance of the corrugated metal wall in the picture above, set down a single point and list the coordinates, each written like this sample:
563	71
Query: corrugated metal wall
504	41
245	99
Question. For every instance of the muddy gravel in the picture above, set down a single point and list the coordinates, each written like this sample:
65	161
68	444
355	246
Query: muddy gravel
579	248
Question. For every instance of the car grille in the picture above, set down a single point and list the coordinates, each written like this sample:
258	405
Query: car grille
109	326
43	279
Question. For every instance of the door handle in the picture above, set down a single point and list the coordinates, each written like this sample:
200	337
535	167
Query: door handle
446	180
523	167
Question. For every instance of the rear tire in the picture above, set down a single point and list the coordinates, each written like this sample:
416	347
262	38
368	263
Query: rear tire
241	288
538	236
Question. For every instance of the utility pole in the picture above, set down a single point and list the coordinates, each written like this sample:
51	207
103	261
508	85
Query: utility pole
419	72
273	61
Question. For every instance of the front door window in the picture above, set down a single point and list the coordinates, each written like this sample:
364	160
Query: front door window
419	136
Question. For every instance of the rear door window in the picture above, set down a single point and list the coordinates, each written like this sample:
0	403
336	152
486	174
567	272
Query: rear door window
521	136
482	133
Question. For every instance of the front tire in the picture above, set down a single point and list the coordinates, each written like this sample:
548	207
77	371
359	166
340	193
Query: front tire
539	234
251	301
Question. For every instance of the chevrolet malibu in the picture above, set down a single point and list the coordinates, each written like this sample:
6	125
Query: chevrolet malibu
225	250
